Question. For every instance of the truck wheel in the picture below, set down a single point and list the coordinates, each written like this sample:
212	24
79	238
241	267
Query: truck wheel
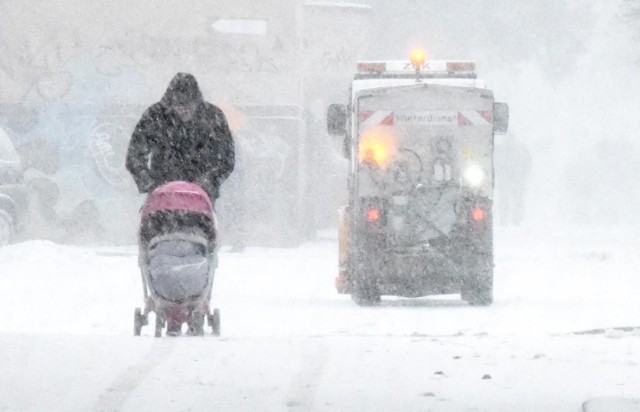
365	291
477	288
475	261
365	275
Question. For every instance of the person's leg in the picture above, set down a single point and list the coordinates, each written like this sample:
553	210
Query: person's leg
240	221
174	328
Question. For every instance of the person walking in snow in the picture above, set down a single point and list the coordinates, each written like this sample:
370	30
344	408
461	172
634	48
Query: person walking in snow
181	137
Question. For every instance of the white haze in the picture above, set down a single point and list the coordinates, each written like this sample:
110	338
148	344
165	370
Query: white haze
559	332
567	70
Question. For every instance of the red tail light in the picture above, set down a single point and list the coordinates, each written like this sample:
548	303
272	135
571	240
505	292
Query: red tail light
478	214
373	214
372	67
461	66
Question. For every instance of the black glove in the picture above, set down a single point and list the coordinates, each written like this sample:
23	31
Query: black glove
203	182
144	182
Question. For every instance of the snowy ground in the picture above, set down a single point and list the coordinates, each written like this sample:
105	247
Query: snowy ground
290	343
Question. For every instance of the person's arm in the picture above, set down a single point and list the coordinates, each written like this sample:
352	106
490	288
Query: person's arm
137	162
226	157
224	154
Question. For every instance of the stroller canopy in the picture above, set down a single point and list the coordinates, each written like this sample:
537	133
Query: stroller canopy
179	196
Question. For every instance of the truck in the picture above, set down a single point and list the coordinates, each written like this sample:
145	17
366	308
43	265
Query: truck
419	136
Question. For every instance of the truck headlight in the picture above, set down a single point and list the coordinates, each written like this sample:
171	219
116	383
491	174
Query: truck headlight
474	175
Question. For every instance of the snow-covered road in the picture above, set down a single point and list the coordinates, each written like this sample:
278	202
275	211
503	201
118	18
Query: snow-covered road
291	343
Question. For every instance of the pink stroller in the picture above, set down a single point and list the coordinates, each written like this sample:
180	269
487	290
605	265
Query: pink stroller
177	258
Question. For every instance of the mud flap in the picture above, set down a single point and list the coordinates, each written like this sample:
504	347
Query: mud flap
342	283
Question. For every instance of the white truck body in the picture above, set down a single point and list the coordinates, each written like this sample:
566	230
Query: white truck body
419	218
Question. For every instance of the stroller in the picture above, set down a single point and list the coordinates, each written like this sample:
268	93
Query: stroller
177	258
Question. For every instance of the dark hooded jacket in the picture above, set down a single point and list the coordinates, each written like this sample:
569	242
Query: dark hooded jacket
164	148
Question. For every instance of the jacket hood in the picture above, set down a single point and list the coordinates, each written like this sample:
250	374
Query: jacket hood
182	89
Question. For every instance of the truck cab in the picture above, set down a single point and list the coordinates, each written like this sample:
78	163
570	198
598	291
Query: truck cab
419	136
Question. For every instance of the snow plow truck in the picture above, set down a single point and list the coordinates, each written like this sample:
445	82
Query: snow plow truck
419	136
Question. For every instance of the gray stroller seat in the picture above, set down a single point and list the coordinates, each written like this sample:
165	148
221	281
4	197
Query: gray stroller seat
178	267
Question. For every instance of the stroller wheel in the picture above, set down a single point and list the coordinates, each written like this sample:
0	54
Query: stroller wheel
138	321
159	325
196	324
214	322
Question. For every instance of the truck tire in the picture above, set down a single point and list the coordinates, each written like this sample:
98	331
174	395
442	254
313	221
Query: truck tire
477	286
365	283
475	262
478	290
368	267
365	293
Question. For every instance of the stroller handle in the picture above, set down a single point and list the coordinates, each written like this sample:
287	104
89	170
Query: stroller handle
179	196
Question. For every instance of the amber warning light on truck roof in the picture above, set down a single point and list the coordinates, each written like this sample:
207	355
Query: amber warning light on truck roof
418	57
